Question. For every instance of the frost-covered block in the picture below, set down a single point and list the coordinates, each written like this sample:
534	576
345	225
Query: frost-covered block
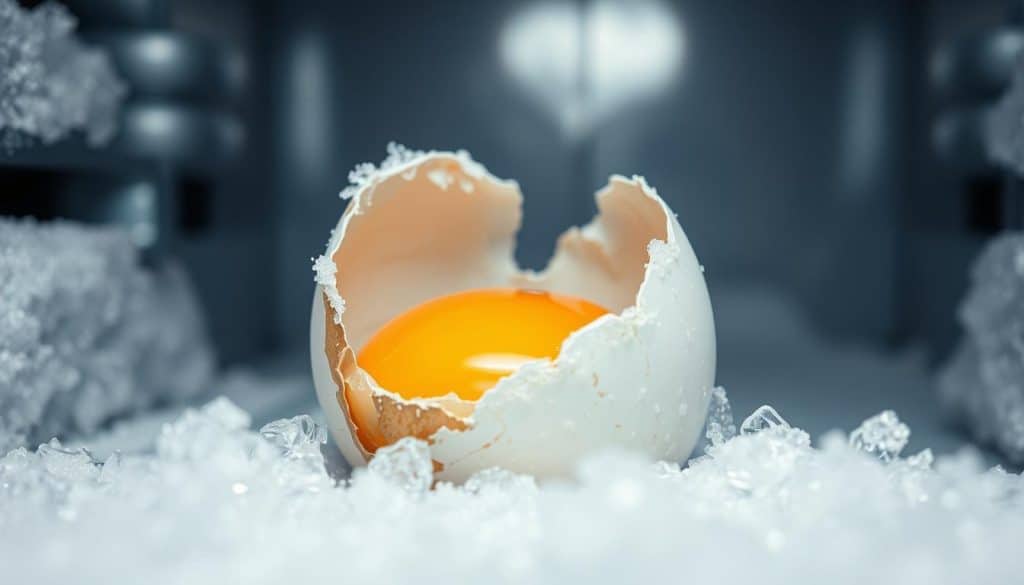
86	334
51	84
983	384
406	463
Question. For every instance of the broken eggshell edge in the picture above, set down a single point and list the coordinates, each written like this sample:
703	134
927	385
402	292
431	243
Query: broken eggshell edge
639	379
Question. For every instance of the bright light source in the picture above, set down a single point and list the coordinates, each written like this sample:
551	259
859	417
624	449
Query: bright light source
584	63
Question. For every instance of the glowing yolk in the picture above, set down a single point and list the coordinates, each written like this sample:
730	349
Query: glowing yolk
465	342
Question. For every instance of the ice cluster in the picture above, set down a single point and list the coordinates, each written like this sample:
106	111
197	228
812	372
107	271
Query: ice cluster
984	382
218	503
50	84
87	334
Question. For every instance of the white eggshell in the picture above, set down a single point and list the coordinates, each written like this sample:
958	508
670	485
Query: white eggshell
430	224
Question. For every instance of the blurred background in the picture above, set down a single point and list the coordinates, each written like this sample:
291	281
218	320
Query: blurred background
826	159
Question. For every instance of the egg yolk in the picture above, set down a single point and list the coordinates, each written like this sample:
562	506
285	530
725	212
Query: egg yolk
465	342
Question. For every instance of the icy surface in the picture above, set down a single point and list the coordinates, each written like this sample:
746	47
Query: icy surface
216	502
86	334
50	84
984	382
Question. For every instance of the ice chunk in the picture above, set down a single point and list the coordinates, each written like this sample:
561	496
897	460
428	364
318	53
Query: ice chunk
69	464
298	439
51	84
86	334
763	418
719	426
406	464
922	460
983	384
295	435
882	435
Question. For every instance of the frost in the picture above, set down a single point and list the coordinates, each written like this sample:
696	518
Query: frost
219	502
882	435
364	173
326	276
86	334
983	384
720	427
50	84
406	464
763	418
443	179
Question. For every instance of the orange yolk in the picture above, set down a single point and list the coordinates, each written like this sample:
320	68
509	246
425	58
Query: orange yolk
465	342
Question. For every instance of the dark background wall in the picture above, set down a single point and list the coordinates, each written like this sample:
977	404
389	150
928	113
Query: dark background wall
778	139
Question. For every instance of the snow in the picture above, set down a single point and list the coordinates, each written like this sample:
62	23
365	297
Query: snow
50	84
215	502
983	384
87	334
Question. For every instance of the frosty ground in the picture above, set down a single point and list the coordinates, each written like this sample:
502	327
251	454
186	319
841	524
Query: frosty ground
214	501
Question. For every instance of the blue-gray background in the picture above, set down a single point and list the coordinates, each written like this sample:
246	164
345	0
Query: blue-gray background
793	143
794	138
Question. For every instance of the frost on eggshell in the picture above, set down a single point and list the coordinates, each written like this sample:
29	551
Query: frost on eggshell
427	224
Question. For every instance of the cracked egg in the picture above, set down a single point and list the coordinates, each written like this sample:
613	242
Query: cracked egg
423	325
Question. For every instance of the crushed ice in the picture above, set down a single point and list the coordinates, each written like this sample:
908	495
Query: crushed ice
217	502
50	84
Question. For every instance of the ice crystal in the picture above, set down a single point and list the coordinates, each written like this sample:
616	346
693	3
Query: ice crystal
720	427
763	418
882	435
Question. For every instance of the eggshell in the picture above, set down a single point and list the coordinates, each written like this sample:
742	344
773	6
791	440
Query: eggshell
430	224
